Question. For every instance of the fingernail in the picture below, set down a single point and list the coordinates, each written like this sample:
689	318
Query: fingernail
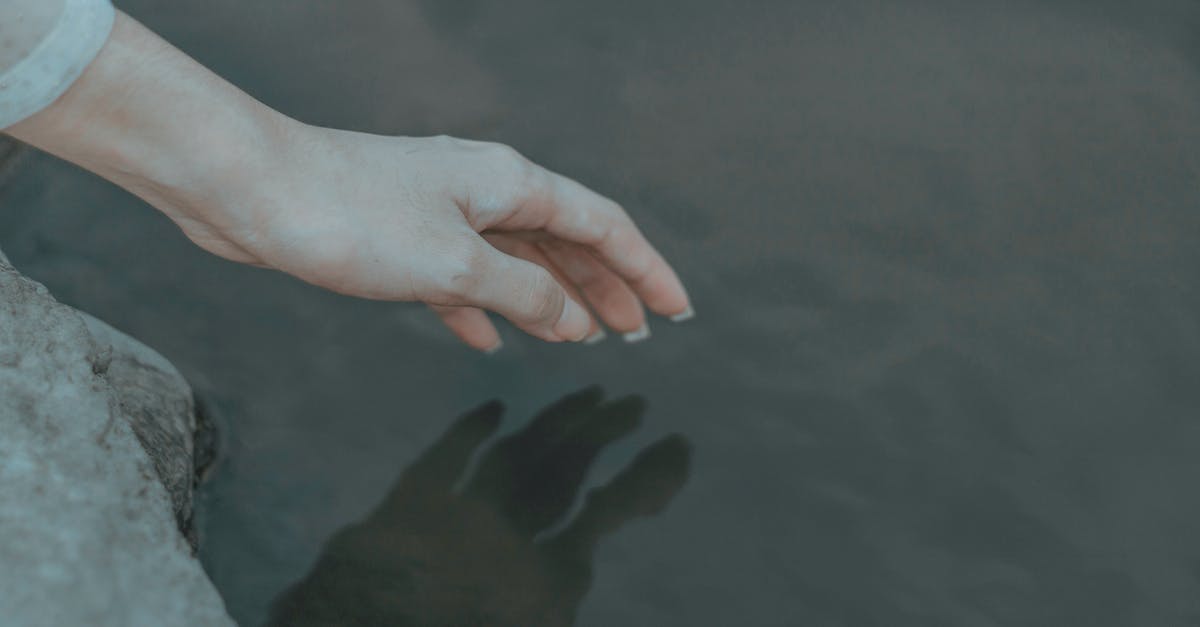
574	323
596	337
685	315
642	333
495	348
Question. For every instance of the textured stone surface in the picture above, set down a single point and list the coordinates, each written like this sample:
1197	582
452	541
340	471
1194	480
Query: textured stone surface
10	154
88	533
157	402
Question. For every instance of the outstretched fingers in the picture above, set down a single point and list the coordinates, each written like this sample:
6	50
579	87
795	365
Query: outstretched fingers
551	245
579	215
522	291
532	252
606	292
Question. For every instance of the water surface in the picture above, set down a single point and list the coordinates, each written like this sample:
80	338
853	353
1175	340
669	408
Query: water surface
946	363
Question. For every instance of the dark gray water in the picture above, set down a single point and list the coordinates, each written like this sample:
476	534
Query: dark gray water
946	368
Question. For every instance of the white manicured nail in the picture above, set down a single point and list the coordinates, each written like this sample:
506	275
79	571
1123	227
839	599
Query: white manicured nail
685	315
639	335
494	348
596	337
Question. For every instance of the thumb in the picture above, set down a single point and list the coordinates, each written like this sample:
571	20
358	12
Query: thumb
527	294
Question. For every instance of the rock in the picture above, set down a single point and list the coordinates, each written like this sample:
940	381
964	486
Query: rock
157	402
95	474
10	153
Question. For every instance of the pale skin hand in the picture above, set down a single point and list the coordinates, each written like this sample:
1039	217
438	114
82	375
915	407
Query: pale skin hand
463	226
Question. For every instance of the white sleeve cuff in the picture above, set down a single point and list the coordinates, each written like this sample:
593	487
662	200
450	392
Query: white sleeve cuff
53	65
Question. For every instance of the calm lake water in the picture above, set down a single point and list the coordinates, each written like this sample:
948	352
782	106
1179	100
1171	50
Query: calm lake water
946	364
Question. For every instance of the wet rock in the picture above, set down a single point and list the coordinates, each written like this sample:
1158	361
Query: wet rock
157	402
95	474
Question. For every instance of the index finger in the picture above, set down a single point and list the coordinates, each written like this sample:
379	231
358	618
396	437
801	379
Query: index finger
577	214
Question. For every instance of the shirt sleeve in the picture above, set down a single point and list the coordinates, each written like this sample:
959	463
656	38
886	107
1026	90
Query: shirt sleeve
44	46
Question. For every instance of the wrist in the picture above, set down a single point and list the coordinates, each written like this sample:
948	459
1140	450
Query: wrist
148	118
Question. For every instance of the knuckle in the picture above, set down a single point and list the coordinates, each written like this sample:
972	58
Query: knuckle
544	298
459	278
502	175
509	164
621	235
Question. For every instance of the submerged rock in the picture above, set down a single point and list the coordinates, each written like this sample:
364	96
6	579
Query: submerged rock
95	473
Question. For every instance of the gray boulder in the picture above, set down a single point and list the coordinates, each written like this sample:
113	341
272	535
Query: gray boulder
95	474
157	403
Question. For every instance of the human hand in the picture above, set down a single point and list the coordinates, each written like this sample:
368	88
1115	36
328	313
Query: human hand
464	226
492	552
461	225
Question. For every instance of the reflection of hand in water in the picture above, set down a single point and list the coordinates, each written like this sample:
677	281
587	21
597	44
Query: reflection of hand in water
482	555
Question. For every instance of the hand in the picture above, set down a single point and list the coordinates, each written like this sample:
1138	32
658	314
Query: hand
464	226
461	225
432	555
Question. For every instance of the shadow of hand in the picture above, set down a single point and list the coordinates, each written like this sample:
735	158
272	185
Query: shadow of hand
493	552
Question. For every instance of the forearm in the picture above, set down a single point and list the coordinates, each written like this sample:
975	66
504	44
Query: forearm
395	218
147	117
